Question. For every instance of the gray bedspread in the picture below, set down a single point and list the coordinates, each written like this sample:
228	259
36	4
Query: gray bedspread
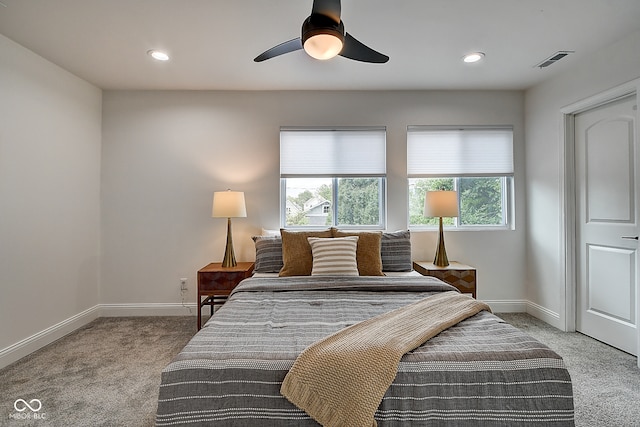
480	372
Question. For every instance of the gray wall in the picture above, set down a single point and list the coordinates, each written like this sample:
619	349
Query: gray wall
545	172
50	136
165	153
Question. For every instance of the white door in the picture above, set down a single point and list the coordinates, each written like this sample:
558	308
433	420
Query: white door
607	227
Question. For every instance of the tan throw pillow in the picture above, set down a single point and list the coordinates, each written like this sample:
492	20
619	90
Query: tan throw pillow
368	252
296	252
334	257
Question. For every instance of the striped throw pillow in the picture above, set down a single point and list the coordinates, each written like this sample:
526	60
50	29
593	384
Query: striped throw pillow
334	256
395	251
268	254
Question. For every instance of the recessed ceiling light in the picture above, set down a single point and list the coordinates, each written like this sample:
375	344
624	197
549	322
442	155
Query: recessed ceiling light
159	55
473	57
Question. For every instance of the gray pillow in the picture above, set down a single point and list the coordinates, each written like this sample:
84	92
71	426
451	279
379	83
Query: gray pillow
268	254
395	251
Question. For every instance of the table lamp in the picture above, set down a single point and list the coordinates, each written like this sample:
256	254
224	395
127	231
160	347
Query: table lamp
228	204
441	204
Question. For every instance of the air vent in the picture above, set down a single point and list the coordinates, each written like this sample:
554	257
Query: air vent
554	58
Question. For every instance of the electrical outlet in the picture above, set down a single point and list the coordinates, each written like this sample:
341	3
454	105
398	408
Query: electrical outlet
183	284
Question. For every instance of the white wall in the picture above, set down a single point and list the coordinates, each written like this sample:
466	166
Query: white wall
165	153
610	67
50	135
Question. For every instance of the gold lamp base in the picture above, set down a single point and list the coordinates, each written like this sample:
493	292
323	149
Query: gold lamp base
229	259
441	259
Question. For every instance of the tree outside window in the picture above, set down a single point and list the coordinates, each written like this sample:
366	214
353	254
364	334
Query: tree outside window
481	200
310	201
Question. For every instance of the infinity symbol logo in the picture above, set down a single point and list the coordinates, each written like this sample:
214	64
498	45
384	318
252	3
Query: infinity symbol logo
21	405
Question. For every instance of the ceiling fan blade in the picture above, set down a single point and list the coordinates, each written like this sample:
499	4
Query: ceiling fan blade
281	49
353	49
330	8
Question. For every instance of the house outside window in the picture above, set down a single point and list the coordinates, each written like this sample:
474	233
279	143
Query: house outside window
477	162
333	177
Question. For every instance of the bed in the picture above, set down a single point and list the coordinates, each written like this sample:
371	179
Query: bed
481	371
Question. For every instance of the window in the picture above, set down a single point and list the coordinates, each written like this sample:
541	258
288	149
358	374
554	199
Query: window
333	177
477	162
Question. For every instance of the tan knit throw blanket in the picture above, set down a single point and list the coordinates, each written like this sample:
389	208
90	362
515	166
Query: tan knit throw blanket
340	380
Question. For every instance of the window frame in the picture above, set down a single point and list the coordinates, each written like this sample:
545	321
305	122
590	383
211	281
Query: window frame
335	179
507	188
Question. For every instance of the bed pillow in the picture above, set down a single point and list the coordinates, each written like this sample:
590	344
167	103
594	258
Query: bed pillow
395	251
269	232
296	252
268	254
368	252
334	257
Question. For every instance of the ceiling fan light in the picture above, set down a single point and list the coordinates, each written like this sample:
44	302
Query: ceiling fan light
323	46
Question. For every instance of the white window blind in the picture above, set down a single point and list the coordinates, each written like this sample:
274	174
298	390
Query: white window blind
434	151
329	152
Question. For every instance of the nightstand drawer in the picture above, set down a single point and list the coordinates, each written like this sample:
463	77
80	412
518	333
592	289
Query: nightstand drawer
459	275
219	282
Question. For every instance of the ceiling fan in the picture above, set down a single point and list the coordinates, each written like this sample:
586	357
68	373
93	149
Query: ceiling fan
323	37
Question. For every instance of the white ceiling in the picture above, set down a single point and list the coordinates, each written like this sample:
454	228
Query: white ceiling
212	43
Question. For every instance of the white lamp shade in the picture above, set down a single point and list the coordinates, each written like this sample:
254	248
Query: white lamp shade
228	204
441	204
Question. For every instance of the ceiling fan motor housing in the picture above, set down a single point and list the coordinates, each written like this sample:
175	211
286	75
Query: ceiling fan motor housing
321	24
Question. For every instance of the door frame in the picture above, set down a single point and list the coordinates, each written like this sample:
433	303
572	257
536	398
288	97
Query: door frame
568	194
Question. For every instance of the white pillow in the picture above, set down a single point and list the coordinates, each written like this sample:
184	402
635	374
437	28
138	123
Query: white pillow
334	256
267	232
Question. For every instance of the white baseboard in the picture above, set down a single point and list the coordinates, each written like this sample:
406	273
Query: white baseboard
524	306
507	306
544	314
148	309
36	341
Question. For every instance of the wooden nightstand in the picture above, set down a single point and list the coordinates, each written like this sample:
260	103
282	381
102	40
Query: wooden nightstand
459	275
216	282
